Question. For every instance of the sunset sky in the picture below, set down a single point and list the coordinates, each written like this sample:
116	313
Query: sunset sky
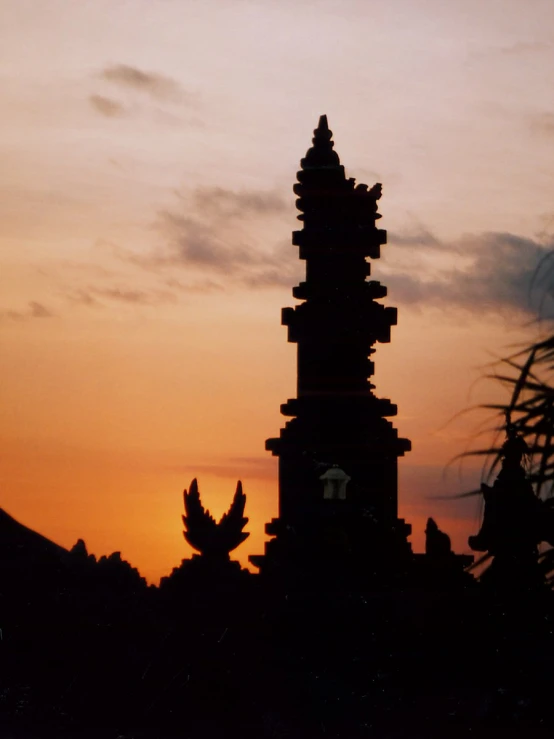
148	153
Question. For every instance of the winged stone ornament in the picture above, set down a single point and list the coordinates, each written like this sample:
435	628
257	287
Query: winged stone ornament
202	532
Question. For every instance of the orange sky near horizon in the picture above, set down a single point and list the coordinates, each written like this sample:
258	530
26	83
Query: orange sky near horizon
146	211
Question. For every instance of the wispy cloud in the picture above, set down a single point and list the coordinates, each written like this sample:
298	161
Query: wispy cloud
137	297
419	235
525	47
284	276
38	310
136	92
222	203
158	86
107	107
35	310
198	286
542	123
194	243
216	231
209	234
501	272
516	51
95	296
83	297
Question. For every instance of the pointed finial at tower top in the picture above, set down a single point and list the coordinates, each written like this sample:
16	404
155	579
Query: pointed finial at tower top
321	153
323	134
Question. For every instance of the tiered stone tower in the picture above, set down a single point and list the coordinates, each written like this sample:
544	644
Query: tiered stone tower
338	454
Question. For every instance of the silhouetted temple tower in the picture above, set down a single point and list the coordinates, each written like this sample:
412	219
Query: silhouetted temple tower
338	454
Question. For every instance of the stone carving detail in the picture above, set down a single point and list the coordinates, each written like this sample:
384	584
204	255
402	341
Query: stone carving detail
211	539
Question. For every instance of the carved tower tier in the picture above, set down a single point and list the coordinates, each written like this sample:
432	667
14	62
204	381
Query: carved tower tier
338	453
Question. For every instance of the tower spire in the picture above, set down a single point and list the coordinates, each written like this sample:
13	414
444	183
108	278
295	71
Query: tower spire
336	421
321	153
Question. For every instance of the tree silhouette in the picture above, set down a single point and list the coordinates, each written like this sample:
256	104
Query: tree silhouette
529	413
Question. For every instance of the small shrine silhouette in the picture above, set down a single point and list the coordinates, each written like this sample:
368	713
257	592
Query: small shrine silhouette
515	522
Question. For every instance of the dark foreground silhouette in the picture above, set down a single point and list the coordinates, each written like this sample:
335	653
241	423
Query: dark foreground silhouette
344	632
87	646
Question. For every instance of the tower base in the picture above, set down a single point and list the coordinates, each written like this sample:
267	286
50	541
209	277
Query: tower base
338	547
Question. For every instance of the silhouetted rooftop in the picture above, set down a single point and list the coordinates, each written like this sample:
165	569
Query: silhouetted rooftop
19	541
